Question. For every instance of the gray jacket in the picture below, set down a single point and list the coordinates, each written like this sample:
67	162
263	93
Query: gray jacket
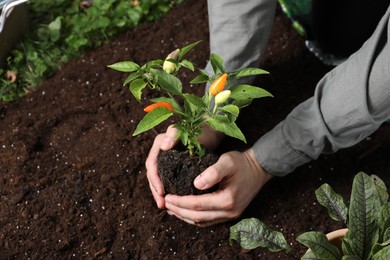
350	102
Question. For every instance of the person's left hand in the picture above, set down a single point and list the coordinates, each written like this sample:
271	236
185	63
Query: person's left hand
166	141
240	178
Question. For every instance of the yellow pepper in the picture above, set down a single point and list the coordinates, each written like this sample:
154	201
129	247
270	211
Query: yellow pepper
222	97
168	66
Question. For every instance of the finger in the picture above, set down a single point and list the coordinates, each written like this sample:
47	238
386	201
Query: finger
160	202
155	183
218	200
205	221
200	218
169	140
151	167
223	168
189	221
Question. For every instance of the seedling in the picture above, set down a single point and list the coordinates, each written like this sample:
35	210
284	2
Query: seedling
219	107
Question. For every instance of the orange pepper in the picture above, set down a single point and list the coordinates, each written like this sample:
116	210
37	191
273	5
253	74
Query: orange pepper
218	85
158	104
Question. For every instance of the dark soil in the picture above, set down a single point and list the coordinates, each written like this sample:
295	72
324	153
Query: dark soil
178	170
73	181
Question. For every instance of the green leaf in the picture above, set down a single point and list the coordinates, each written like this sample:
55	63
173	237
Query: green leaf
386	234
252	233
378	247
230	129
136	88
248	72
101	23
55	27
319	244
152	119
187	64
194	142
232	112
383	254
346	245
75	42
242	103
153	64
195	100
333	202
186	49
168	82
189	109
309	255
384	221
200	79
350	257
183	137
217	63
132	77
203	72
244	92
363	212
381	188
124	66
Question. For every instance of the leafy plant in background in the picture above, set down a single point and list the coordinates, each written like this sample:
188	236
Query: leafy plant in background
63	29
367	219
191	110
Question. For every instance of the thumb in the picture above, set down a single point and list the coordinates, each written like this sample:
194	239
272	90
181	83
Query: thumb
168	142
214	174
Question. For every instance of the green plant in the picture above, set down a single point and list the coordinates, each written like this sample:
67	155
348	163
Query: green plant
63	29
191	110
367	219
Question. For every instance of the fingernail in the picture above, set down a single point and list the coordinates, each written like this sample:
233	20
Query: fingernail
199	183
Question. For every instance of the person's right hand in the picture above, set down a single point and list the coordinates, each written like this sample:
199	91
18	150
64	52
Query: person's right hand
166	141
240	178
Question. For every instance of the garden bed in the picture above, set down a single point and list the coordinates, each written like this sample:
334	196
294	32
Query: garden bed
73	181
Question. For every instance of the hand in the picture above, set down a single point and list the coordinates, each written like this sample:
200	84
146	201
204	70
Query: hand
166	141
240	178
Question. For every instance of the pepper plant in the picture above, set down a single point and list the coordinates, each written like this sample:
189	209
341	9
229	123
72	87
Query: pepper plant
219	107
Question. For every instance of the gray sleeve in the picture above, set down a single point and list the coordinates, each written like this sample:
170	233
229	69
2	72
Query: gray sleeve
349	103
239	31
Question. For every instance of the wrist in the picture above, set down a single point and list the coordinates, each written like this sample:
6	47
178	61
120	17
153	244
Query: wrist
250	155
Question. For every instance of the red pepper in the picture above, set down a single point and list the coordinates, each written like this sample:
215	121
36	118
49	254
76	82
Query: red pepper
158	104
218	85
